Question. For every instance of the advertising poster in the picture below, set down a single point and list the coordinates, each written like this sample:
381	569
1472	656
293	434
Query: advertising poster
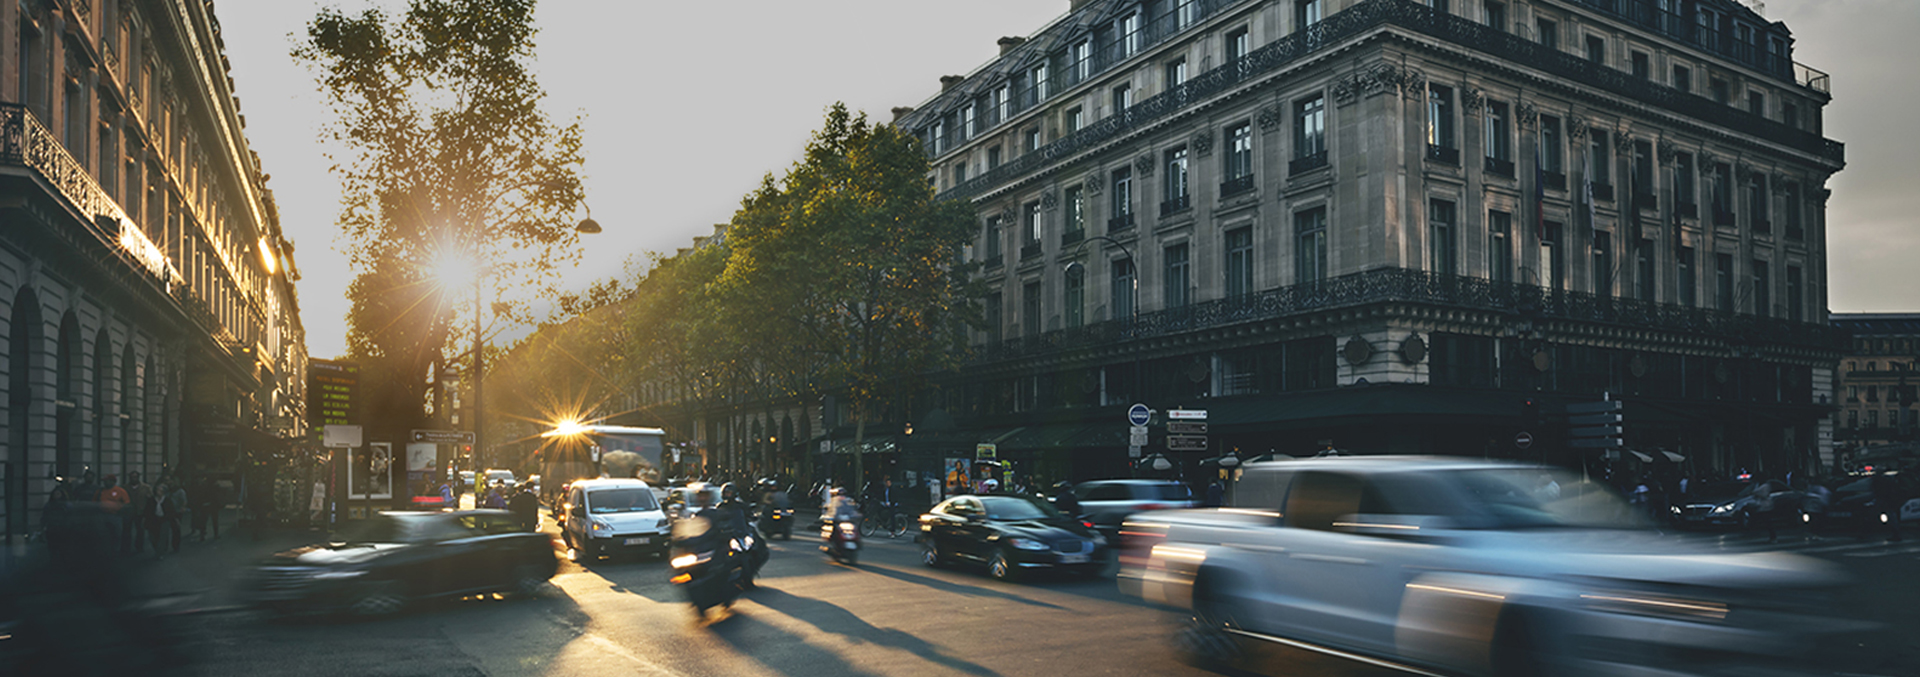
422	460
959	481
370	472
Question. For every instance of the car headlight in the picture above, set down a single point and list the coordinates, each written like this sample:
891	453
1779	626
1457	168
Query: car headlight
339	575
599	525
1026	544
847	528
1723	509
1675	509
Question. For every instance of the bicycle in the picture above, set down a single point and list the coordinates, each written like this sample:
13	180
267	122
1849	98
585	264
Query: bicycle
886	519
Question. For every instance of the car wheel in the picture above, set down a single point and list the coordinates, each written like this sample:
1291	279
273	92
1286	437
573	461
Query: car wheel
1000	567
1204	641
377	598
931	553
1522	645
529	580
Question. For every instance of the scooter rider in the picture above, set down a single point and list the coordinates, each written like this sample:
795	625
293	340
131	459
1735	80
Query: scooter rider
732	518
772	500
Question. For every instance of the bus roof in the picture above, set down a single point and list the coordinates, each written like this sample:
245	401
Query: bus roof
602	430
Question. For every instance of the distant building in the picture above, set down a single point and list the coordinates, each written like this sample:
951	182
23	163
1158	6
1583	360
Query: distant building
146	289
1877	381
1384	225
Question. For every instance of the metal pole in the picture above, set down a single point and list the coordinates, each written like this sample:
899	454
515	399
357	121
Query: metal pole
479	452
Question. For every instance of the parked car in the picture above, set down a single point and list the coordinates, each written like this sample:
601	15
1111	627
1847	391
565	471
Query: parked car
1010	534
1107	503
381	564
613	516
1469	567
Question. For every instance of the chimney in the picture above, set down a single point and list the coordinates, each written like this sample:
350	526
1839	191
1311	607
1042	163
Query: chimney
901	112
951	81
1007	44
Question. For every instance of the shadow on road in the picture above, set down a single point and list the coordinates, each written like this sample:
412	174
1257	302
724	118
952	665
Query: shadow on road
956	588
755	639
832	619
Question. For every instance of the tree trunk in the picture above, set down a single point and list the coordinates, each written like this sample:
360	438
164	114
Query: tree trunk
859	462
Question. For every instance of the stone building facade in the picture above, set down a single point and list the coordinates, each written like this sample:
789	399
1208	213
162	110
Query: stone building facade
146	291
1877	383
1388	226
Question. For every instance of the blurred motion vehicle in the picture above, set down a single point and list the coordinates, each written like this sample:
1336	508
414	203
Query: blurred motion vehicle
678	498
379	565
612	516
1737	504
1470	567
1011	534
1854	506
1107	503
709	566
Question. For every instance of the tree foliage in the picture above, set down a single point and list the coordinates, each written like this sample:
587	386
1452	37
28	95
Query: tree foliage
450	164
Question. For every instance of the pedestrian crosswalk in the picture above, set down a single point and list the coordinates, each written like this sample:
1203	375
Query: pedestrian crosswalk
1844	545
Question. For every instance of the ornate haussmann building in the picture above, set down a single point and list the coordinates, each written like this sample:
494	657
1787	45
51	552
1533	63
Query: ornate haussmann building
1384	226
146	291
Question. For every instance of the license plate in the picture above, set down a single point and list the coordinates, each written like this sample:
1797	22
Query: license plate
643	540
1073	559
1695	518
1840	514
852	546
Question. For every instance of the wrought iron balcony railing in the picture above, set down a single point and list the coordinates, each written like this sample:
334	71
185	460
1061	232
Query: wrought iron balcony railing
1555	180
1030	251
1120	223
1645	201
1687	210
1443	155
1175	205
1072	237
1307	163
1500	167
1400	285
1236	185
1603	191
1369	15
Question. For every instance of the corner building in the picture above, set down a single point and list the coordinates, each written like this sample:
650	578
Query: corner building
147	299
1386	225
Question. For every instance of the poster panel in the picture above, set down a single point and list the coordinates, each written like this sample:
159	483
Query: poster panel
959	479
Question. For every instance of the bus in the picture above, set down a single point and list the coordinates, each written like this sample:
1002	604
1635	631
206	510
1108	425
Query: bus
572	451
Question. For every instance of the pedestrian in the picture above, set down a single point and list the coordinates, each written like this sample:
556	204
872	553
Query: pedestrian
55	511
1216	495
134	530
174	518
113	500
525	508
449	496
1887	499
1761	510
1064	500
495	499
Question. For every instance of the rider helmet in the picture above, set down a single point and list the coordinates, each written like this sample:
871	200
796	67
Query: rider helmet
728	493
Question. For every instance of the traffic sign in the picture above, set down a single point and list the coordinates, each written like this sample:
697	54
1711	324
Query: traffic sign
1594	419
1137	430
1186	428
1596	431
1523	440
1137	440
1188	414
443	436
1593	407
1139	414
1134	451
1186	443
1595	443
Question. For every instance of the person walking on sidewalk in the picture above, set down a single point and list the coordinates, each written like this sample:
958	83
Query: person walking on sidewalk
134	532
175	515
113	500
525	508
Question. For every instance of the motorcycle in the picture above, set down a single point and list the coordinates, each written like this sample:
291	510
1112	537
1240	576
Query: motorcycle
776	520
709	567
841	540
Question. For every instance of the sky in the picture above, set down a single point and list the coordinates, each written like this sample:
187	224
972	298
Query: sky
688	104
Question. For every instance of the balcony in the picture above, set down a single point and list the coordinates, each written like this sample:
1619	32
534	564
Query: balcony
1555	180
1072	237
1795	232
1499	167
1175	205
1368	15
1603	191
1120	223
1307	163
1722	216
1030	251
1236	185
1645	201
1443	155
1687	210
1414	287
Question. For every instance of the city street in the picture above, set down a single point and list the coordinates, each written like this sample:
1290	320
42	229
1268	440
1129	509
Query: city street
891	615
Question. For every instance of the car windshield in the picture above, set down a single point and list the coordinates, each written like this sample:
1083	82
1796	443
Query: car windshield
1719	491
1013	508
500	475
1526	498
1166	492
628	499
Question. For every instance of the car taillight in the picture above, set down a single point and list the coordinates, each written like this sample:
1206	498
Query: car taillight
1155	506
1137	540
1087	523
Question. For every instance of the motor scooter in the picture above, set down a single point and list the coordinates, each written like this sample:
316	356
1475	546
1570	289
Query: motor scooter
841	540
777	520
707	566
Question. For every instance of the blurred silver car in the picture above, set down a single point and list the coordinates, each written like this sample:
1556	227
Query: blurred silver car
1468	567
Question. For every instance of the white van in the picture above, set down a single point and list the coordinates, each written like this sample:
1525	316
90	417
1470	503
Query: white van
610	516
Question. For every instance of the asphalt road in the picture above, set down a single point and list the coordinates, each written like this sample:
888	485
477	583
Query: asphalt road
891	615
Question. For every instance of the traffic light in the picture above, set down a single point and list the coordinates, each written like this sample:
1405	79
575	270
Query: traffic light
1530	414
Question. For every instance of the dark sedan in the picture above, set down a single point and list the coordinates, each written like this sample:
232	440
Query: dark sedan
1011	534
379	565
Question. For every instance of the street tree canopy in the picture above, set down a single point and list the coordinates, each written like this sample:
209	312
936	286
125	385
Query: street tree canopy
451	172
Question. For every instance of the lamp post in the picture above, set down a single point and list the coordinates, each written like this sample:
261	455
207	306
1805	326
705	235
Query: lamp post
586	226
1133	298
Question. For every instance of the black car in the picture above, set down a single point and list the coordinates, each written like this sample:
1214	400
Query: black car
378	565
1010	534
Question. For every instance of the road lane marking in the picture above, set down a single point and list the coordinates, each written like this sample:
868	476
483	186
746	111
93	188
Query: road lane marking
1883	553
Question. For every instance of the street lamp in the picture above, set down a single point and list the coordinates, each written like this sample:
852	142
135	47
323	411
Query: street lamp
1133	298
587	226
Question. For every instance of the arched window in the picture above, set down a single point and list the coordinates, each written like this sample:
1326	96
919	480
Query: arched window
23	339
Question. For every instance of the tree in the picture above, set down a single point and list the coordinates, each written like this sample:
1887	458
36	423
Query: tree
451	166
849	270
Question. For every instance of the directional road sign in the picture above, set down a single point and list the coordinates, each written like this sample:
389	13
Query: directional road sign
1188	414
1595	443
1139	414
1137	440
1186	443
1596	431
443	436
1593	407
1186	428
